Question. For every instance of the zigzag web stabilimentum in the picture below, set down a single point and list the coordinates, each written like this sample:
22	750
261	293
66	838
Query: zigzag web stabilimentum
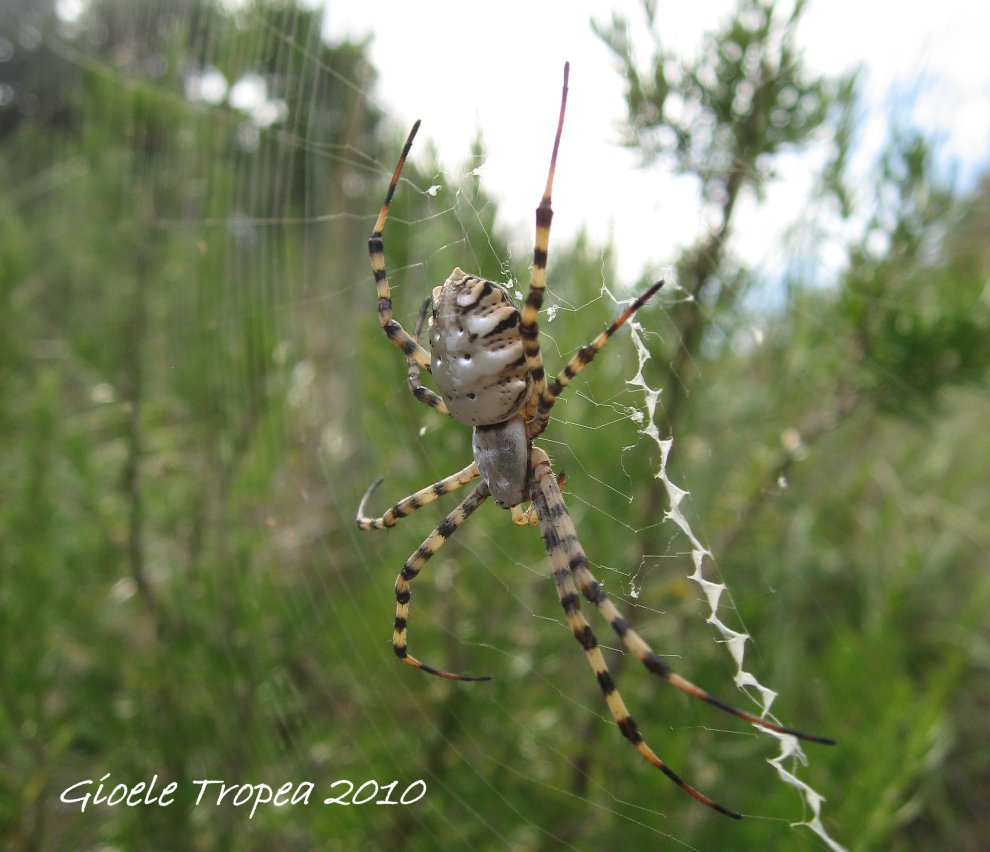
735	641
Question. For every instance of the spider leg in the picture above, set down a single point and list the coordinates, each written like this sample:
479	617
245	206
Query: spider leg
584	356
655	664
561	541
376	249
528	327
408	505
424	395
414	564
528	517
594	593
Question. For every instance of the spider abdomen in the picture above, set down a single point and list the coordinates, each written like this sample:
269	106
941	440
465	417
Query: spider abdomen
478	361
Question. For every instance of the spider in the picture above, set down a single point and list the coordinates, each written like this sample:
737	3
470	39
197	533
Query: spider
487	366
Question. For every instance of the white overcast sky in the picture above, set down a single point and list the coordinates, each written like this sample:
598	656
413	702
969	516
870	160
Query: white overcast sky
461	67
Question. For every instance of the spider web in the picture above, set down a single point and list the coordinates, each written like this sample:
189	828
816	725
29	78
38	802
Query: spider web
734	640
321	593
497	558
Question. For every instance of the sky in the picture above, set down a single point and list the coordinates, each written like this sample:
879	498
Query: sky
462	68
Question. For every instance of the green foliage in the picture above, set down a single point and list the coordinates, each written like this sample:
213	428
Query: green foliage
918	329
724	118
747	93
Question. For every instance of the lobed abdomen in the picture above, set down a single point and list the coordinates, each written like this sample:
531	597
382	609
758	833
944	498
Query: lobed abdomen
478	362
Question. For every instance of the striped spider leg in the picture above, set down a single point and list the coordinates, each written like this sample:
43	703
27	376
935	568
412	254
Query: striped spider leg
570	573
433	542
417	357
486	362
529	329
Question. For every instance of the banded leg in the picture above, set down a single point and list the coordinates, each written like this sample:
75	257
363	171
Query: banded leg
594	593
528	517
424	395
376	249
528	327
584	356
414	564
408	505
560	540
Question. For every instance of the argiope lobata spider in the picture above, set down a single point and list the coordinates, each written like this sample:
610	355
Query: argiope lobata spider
487	365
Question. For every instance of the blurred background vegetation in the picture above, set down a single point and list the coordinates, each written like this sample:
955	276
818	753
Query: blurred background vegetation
194	393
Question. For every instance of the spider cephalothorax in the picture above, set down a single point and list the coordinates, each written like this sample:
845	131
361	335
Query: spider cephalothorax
487	366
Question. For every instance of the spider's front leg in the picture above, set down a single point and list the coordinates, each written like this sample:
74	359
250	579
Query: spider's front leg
414	564
436	539
560	539
570	567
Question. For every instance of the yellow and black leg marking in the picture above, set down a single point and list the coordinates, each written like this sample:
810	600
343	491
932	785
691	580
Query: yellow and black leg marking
414	564
528	517
376	249
408	505
567	556
635	644
529	327
561	543
584	356
423	394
